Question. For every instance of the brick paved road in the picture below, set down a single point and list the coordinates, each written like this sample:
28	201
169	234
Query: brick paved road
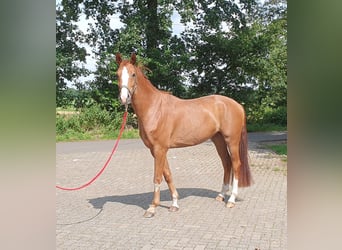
109	213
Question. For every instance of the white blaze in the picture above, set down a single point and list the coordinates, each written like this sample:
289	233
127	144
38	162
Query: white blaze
124	91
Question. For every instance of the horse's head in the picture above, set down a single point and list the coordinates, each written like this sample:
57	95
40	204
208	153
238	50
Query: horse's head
126	78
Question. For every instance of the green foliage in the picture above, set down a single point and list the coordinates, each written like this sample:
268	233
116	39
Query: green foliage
275	115
267	115
92	122
280	149
229	48
64	124
93	117
69	54
263	127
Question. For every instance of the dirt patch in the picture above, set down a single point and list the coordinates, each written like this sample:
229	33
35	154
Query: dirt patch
67	113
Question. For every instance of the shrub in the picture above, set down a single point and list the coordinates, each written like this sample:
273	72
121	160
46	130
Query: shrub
276	115
61	124
94	117
92	121
267	115
65	123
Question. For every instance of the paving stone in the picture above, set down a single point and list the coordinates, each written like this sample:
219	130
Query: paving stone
109	213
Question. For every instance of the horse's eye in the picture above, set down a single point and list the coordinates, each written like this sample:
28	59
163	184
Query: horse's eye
133	74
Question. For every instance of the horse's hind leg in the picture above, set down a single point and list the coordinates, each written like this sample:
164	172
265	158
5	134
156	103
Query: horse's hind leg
222	151
233	144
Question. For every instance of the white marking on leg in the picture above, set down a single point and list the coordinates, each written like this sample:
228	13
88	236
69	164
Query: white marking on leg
156	187
224	190
234	191
175	201
124	91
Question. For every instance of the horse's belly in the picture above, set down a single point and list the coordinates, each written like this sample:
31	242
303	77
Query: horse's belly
191	137
179	143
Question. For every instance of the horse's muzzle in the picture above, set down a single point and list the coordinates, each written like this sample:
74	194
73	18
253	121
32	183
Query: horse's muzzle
125	96
125	101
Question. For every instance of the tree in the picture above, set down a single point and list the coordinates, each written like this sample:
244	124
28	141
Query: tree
273	75
214	43
147	31
232	48
69	54
269	66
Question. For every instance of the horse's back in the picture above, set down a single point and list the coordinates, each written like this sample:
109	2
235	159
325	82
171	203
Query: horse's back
229	114
192	121
218	107
222	106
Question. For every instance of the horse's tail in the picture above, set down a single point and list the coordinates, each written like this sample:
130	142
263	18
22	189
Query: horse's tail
245	176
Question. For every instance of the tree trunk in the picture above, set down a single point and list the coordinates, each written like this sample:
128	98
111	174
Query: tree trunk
152	27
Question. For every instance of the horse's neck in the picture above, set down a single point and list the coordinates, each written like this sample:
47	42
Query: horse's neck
146	98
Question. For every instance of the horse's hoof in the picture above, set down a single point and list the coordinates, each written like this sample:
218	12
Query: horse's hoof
219	198
173	209
148	214
230	204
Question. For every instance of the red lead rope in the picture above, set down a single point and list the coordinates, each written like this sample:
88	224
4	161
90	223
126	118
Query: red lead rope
107	162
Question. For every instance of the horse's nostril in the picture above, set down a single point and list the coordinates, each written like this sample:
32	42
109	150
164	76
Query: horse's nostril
123	100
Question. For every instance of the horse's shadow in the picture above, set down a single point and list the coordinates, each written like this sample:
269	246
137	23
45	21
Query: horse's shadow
144	199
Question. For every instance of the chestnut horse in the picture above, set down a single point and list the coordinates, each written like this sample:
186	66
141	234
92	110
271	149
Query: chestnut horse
166	121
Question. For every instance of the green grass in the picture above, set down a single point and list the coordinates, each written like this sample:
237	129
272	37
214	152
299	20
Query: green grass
265	127
73	136
127	134
280	149
97	135
92	123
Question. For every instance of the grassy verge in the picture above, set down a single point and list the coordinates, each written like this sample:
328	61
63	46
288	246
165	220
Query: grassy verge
96	135
280	149
93	123
265	127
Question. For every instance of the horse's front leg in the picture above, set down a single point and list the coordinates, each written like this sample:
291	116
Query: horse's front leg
159	155
174	194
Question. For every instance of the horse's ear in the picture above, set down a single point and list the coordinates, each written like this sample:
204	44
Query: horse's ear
133	58
118	58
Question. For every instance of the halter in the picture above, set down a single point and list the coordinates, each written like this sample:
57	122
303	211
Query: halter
130	92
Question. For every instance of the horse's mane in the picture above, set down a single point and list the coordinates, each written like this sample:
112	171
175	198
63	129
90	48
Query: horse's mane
143	69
